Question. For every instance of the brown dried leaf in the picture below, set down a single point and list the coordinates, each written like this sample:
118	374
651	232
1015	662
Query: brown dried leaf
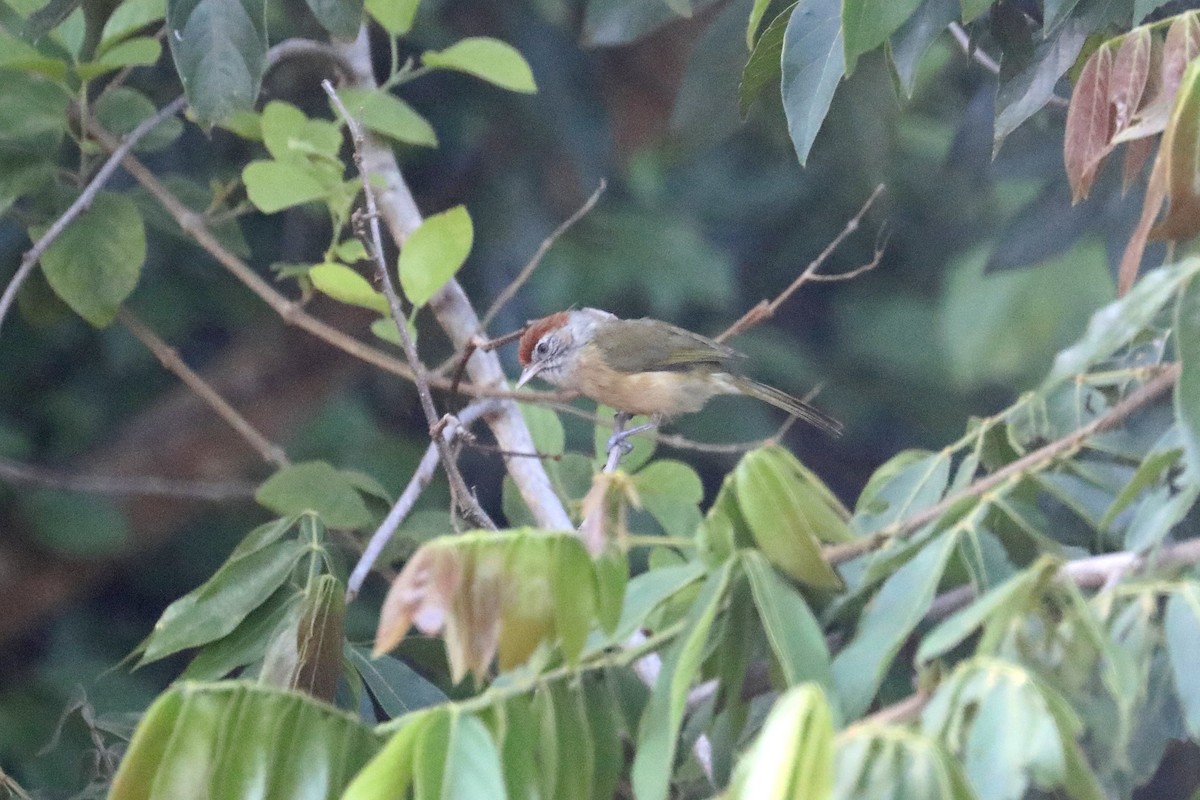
1131	260
472	631
417	595
1130	72
1089	122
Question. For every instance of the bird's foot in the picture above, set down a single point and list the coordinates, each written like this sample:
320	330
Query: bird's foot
620	437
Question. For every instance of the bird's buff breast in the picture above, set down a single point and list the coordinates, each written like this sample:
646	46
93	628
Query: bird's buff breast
651	393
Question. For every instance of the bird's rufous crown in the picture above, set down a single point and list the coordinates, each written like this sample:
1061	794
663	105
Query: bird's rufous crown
536	330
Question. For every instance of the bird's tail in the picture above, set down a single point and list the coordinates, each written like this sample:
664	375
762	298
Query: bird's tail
792	405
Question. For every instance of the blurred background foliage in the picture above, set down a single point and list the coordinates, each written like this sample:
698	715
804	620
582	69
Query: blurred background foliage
987	271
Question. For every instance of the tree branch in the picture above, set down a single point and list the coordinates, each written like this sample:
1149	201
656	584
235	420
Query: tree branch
1059	448
84	201
216	491
270	452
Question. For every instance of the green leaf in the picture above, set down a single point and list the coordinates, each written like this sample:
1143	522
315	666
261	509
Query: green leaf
434	252
756	16
1181	629
764	65
31	107
793	754
868	24
122	109
275	185
1116	325
788	519
240	740
1187	390
912	39
341	18
814	62
128	18
646	592
472	768
545	427
889	618
794	633
396	687
220	50
643	446
874	760
574	597
388	115
290	135
247	642
394	16
318	487
139	51
671	491
95	263
658	732
344	284
973	8
391	771
216	607
489	59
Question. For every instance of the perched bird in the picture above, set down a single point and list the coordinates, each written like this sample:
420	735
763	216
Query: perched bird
643	366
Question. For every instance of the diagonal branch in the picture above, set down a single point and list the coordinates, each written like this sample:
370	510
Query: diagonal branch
1059	448
84	201
464	498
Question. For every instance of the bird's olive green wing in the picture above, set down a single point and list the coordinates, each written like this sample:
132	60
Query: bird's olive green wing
645	345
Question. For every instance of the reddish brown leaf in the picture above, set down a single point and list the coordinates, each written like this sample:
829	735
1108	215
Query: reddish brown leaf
1089	122
1130	72
319	639
1131	260
1136	153
1183	44
1181	153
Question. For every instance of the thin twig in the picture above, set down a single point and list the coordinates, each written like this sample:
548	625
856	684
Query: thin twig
473	344
83	201
291	312
464	498
403	506
984	60
169	358
217	491
1059	448
766	309
515	285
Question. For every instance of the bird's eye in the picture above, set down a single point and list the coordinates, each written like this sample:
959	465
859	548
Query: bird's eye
541	348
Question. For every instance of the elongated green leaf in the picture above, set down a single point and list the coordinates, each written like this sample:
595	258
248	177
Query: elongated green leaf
391	771
891	761
574	598
907	483
912	39
1005	601
646	591
756	16
318	487
1187	390
434	252
814	62
491	60
95	263
216	607
396	687
764	66
788	519
1115	325
240	740
1182	630
793	755
388	115
472	769
1181	149
868	24
220	50
342	283
887	622
246	643
794	633
658	732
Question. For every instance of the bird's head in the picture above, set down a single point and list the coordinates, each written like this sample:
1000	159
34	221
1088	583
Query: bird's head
551	347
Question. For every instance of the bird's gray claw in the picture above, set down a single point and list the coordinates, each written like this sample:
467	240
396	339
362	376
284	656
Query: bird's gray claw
620	440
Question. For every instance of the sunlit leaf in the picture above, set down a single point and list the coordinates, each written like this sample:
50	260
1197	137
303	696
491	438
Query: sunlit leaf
341	18
395	16
433	253
342	283
793	754
388	115
491	60
240	740
671	491
658	732
275	185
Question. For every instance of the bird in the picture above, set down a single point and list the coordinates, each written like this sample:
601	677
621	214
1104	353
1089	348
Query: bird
643	366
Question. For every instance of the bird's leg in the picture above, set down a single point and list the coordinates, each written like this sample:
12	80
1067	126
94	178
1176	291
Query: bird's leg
620	436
